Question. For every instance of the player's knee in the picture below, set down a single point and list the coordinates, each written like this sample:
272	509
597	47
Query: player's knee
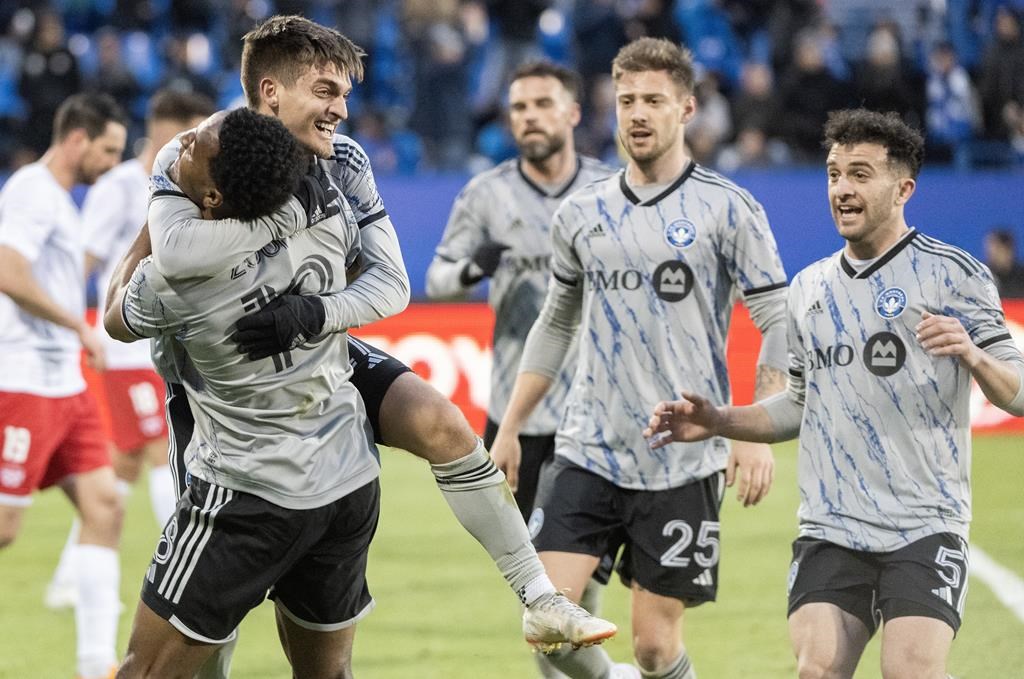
7	537
103	514
815	666
442	433
911	662
10	525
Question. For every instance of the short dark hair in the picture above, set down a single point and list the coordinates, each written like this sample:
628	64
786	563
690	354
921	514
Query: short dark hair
90	112
282	46
655	54
258	166
569	78
1003	236
903	144
172	104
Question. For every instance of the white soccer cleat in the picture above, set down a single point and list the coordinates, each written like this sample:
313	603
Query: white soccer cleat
60	595
555	620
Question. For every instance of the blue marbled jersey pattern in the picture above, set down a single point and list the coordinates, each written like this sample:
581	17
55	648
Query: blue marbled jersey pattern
659	278
885	448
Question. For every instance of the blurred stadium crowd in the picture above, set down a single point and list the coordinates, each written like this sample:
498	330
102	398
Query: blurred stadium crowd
769	70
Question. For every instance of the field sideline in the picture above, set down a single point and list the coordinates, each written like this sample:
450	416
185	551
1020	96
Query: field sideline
443	612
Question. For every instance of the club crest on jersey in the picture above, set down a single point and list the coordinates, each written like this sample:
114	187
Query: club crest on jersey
536	522
681	233
891	303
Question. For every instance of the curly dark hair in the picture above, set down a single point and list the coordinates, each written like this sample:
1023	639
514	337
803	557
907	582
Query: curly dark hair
903	144
259	164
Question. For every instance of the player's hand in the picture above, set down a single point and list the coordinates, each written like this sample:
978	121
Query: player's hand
317	196
507	454
484	261
692	418
282	325
95	354
945	336
754	464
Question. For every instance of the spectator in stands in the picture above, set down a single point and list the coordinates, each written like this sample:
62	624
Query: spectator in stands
808	92
180	74
654	19
752	149
515	41
440	115
711	125
112	75
950	114
1002	74
598	32
49	75
755	105
884	82
1001	258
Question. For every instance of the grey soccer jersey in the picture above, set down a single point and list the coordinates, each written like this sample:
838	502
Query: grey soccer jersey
658	278
504	205
290	428
885	448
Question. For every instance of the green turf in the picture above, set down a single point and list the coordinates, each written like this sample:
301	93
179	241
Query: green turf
443	612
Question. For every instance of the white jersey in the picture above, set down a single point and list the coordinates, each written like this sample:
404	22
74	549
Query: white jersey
505	206
658	279
40	221
885	441
112	215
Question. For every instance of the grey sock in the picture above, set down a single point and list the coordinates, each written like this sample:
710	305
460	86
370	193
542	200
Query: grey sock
680	668
590	662
476	491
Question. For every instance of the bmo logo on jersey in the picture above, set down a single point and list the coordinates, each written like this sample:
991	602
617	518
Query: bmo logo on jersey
833	355
884	354
672	280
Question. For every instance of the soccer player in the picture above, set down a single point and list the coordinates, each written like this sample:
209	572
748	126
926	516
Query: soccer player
500	228
51	431
646	266
114	209
284	492
884	338
302	72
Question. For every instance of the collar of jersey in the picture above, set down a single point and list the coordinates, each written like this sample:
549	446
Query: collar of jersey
540	189
896	249
635	199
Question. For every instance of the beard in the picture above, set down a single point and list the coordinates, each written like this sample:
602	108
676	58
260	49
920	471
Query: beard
538	150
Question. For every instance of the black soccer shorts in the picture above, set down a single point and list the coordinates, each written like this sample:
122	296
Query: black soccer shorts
926	578
373	372
669	538
538	451
223	550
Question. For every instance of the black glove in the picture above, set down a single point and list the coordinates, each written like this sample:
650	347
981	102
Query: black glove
282	325
484	261
317	196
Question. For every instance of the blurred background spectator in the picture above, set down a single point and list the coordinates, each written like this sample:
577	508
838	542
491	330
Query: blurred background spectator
1001	258
432	99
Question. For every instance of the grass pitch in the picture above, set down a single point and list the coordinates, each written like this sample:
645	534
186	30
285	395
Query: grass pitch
444	612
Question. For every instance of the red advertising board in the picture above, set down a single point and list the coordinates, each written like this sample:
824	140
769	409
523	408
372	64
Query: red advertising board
449	345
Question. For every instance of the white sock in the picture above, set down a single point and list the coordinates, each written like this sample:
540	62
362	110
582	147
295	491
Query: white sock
161	493
98	610
64	573
476	491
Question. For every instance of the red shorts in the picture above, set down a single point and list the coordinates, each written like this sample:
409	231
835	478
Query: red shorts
43	440
135	399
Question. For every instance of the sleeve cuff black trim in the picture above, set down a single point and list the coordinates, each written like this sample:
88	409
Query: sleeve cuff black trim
124	317
795	373
764	288
992	340
564	281
370	219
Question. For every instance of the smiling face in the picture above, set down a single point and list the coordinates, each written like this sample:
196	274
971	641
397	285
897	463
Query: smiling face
191	169
651	110
542	115
311	107
866	195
